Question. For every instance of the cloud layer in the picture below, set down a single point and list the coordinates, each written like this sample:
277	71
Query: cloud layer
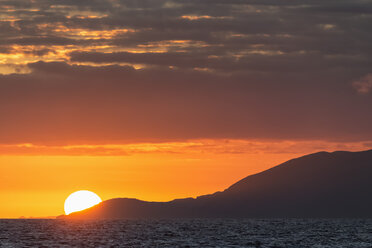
117	71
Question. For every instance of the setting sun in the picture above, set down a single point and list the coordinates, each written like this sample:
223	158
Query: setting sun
81	200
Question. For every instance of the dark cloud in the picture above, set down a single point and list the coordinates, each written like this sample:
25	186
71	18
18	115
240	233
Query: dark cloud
297	31
39	41
5	50
59	103
212	69
364	85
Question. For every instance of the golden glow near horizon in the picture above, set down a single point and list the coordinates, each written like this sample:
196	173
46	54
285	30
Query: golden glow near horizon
80	200
36	183
36	186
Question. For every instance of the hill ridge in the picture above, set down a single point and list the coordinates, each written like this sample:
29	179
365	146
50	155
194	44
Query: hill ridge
322	184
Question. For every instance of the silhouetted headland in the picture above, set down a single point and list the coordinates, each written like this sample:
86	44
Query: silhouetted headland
322	185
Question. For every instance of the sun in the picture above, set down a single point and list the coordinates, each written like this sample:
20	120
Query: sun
81	200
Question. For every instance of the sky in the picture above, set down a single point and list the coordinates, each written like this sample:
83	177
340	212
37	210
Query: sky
164	99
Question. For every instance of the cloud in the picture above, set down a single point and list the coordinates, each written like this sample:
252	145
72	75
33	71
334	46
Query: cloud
58	103
237	36
364	85
126	70
190	147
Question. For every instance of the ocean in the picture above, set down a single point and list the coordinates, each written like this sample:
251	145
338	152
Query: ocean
274	233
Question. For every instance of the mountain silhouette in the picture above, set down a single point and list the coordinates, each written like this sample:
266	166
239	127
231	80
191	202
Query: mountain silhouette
322	185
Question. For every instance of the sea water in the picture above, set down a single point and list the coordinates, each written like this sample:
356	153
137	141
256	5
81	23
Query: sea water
187	233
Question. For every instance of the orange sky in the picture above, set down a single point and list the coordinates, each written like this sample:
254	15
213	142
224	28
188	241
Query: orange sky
36	182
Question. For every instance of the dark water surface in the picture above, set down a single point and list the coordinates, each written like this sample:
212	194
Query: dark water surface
187	233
